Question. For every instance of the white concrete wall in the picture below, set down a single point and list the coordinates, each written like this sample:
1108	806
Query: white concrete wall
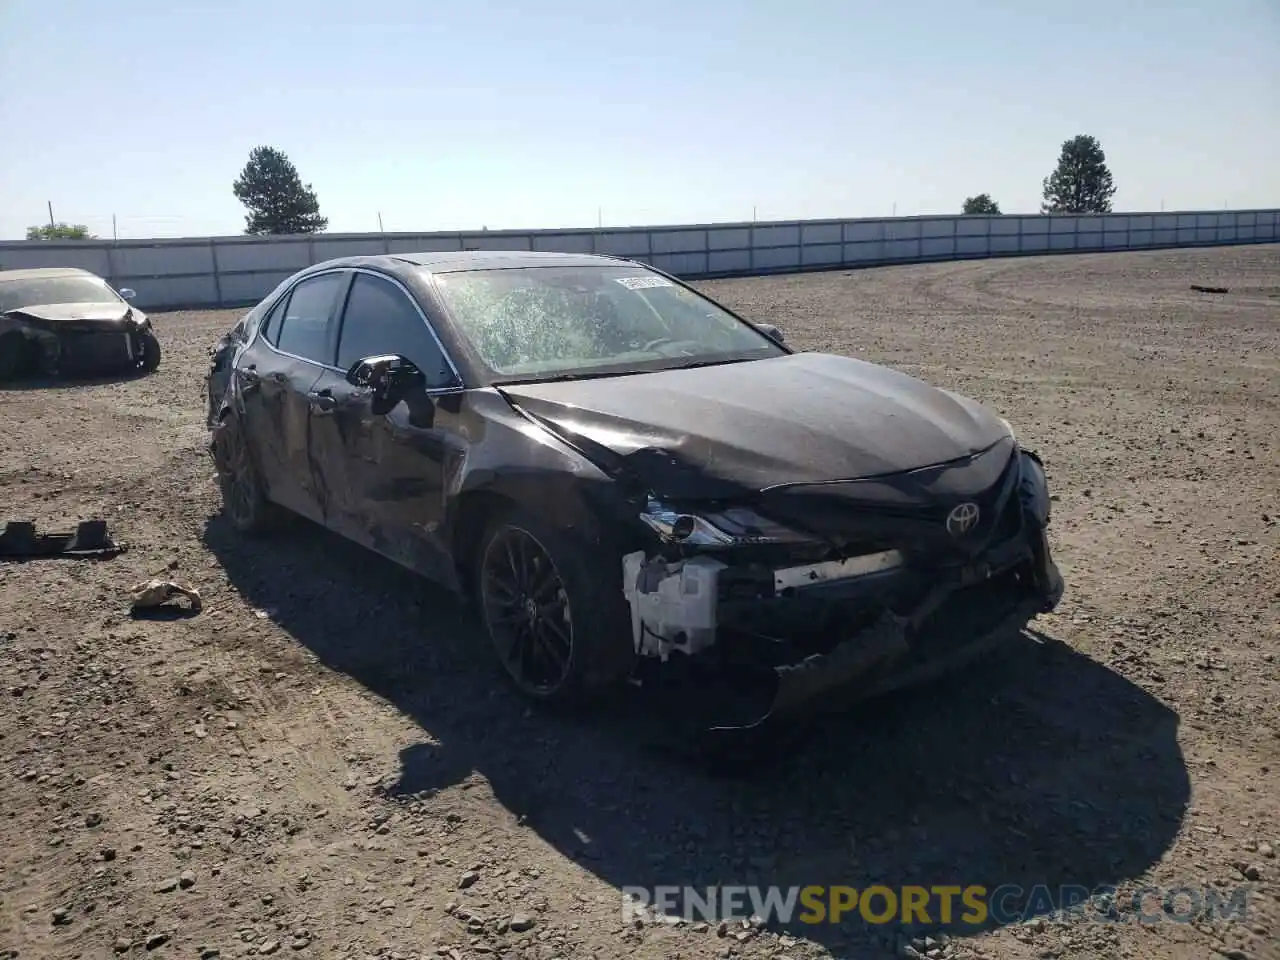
231	271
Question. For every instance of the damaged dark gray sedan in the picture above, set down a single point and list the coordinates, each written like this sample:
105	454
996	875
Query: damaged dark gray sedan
630	480
63	321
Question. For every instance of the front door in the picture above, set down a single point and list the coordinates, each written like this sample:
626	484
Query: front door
382	475
277	374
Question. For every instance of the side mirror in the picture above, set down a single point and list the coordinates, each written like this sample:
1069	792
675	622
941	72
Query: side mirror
389	378
770	331
128	293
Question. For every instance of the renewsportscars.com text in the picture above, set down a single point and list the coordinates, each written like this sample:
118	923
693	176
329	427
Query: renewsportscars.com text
948	904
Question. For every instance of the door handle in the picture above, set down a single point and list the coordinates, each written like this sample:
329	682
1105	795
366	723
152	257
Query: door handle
322	401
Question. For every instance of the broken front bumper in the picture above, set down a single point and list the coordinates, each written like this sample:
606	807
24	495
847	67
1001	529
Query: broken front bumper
910	625
72	350
958	620
87	352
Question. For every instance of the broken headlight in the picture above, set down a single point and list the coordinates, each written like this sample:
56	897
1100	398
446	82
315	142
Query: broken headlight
734	526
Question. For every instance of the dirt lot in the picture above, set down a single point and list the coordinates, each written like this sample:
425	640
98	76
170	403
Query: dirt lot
322	763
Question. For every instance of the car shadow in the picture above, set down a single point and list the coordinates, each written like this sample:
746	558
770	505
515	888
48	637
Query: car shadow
164	613
69	382
1036	770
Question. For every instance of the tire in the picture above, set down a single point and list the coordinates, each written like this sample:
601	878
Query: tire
599	655
244	500
13	355
151	352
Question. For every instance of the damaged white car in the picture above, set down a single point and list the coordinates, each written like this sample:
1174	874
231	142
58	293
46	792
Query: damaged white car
67	322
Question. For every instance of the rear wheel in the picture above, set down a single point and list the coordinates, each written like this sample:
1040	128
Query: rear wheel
553	611
244	500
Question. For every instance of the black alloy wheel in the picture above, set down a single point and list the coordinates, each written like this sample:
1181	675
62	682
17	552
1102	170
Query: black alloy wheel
149	348
243	499
526	610
13	352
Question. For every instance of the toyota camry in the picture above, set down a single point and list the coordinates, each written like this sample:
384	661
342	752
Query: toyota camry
630	480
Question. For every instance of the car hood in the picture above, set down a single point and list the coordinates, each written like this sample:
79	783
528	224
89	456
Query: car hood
739	428
99	313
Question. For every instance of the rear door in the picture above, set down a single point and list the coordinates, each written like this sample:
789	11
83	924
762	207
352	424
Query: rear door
381	476
277	373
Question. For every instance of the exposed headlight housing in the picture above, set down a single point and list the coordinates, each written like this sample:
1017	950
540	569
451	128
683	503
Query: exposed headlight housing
736	526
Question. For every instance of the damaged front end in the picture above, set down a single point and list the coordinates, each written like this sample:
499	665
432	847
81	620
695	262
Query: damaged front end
831	592
218	378
44	341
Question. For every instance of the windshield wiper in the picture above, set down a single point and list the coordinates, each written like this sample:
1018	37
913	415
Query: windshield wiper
706	363
561	377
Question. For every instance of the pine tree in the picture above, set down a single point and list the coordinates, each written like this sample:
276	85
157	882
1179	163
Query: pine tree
278	201
1081	183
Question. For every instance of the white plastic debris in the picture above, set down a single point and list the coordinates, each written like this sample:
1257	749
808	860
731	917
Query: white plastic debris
156	593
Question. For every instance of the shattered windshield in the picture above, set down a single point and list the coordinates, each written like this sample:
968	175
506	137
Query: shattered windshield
15	294
546	322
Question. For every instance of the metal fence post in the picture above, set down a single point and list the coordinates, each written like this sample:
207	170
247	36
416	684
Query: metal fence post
217	276
111	265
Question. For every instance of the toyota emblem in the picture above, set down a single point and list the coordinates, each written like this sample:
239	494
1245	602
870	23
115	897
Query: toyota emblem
963	519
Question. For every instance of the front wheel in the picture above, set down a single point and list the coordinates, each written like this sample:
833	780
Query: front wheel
14	352
150	348
244	500
553	611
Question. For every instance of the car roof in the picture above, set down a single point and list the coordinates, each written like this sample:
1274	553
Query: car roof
44	273
454	261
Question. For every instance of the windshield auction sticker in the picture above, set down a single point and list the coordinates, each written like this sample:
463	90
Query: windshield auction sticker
641	283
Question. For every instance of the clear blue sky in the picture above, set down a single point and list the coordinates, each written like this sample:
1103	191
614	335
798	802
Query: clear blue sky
532	113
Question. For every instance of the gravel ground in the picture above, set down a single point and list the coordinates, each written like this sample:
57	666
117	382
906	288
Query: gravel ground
322	764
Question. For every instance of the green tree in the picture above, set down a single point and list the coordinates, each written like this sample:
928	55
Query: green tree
982	203
60	231
1082	182
278	201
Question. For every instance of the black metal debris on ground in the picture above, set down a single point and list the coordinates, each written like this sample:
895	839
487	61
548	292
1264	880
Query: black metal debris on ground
19	540
1200	288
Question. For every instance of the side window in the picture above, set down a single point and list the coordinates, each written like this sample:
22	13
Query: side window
304	330
380	319
271	326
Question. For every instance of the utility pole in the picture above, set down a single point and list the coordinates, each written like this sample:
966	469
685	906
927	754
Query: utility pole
599	217
115	237
51	223
380	230
753	213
